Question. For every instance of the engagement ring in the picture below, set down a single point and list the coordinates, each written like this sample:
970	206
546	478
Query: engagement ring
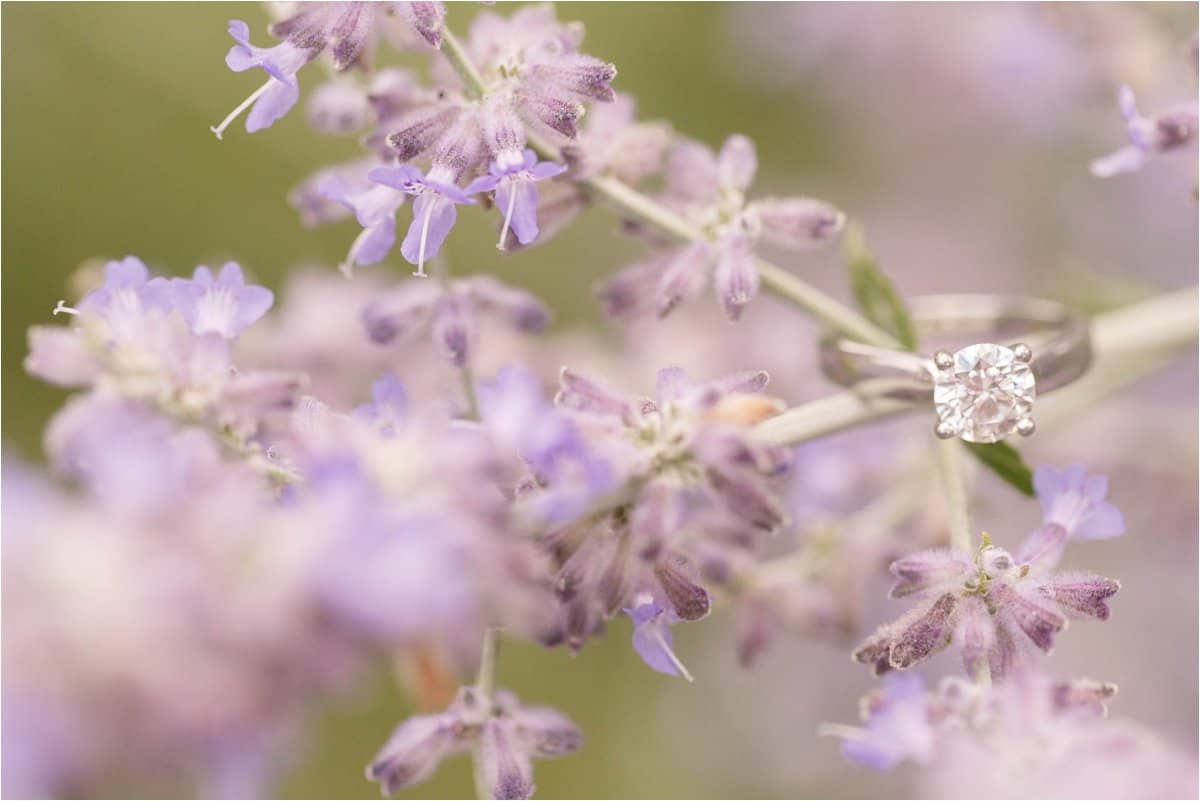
983	391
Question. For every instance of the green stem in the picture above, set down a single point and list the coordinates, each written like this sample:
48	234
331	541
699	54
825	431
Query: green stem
452	49
468	382
485	685
950	468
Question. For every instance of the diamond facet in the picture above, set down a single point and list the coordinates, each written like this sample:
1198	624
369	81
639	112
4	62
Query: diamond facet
985	394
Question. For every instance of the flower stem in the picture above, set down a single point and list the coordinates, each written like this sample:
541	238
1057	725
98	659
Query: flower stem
485	685
453	50
950	468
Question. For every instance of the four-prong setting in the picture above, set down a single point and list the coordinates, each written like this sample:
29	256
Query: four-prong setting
984	392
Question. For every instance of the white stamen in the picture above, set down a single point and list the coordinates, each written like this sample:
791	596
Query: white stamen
841	730
662	641
512	202
420	273
233	115
63	308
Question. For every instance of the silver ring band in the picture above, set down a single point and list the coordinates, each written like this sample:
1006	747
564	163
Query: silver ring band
1038	342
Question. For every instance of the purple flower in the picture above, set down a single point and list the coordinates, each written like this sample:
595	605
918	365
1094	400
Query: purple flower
898	726
652	637
1073	508
982	605
321	197
515	409
1173	130
613	141
375	209
512	179
449	311
275	98
433	209
507	734
343	30
224	305
126	297
388	406
709	190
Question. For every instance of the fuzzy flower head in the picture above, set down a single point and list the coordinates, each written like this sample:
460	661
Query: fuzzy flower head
507	734
709	190
697	486
1173	130
988	606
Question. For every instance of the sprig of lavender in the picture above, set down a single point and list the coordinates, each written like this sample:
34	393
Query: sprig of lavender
630	201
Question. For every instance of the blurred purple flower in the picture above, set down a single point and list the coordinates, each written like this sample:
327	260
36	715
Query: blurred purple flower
507	734
1173	130
224	305
898	726
708	189
449	311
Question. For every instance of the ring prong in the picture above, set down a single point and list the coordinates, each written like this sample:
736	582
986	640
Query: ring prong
944	430
943	359
1022	352
1026	427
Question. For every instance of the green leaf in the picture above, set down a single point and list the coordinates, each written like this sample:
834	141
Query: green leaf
1006	462
874	293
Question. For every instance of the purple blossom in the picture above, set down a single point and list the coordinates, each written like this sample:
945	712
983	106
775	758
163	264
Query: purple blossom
709	191
375	209
127	296
1173	130
433	209
507	734
339	106
343	30
388	406
513	181
652	637
449	311
225	305
515	409
898	726
275	98
982	605
1073	508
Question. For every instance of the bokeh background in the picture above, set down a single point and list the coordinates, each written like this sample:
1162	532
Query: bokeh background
958	134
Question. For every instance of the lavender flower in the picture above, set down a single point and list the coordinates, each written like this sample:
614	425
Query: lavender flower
652	636
450	312
982	605
508	734
433	210
126	298
1173	130
709	190
533	75
224	305
513	180
344	30
1073	508
698	489
898	726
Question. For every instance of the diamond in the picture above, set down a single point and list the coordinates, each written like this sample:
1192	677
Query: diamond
985	393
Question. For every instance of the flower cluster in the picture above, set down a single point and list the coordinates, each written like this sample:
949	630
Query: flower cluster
255	511
1028	737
